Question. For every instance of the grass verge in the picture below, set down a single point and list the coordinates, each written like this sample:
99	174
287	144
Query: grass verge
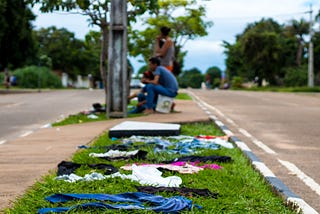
83	118
240	189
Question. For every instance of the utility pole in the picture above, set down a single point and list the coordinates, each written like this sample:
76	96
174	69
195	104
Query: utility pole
310	61
117	60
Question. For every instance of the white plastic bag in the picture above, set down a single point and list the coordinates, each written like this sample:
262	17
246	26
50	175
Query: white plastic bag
164	104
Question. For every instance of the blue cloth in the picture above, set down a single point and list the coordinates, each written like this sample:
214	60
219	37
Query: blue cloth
159	203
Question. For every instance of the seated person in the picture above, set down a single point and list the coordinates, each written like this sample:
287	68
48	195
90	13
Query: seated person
164	83
141	94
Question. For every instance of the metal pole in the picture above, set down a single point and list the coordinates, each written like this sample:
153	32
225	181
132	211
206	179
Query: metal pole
310	61
117	60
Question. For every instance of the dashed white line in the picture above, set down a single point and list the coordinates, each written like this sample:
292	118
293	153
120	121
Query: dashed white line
3	142
245	132
306	179
26	133
257	142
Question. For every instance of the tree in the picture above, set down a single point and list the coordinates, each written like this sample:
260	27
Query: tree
298	29
184	27
191	78
98	13
17	45
260	51
213	75
61	47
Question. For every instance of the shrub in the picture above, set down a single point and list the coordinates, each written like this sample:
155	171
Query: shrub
35	77
237	82
296	76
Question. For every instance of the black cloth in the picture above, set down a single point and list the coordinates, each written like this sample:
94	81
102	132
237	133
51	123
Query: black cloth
194	158
182	190
66	168
98	107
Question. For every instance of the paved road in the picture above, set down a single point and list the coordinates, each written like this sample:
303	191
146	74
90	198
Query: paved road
21	113
282	129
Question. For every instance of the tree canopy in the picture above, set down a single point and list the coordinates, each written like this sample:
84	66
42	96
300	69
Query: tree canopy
16	40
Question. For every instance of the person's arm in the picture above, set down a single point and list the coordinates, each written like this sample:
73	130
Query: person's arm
164	49
154	81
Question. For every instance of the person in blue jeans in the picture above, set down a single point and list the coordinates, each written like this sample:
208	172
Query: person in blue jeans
164	83
141	95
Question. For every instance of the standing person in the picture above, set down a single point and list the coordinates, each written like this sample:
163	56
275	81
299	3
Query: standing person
164	48
164	83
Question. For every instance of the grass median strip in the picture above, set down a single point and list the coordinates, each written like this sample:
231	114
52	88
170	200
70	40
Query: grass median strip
239	188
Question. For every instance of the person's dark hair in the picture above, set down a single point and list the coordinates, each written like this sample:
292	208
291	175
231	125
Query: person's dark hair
165	30
155	60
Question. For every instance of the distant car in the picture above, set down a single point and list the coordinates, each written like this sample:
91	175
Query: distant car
136	83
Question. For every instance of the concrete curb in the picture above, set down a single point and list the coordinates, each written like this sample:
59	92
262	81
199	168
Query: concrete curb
292	200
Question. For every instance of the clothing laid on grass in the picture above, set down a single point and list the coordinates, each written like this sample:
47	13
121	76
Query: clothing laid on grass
131	200
88	177
67	168
185	145
147	175
189	192
181	167
121	155
203	159
144	175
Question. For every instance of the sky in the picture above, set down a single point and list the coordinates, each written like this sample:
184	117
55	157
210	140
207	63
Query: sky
229	17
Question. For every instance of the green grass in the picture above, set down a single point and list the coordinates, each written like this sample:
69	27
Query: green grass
82	118
240	188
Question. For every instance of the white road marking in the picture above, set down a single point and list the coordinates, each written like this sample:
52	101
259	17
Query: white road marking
46	126
301	204
26	133
245	132
306	179
3	142
257	142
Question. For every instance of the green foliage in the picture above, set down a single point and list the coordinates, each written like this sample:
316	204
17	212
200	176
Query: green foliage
16	40
68	54
240	189
184	27
191	78
213	75
237	82
296	76
265	49
34	77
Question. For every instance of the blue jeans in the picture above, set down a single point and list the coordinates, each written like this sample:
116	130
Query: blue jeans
130	201
153	90
139	109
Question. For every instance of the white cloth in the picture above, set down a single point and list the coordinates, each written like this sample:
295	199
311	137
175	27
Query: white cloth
147	175
114	154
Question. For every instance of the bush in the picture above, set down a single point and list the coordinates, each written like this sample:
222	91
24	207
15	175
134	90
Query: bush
35	77
297	76
237	82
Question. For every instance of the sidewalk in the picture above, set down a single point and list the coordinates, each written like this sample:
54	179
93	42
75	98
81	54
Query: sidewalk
25	160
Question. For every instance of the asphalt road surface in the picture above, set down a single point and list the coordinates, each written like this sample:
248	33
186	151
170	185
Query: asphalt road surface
282	129
22	113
